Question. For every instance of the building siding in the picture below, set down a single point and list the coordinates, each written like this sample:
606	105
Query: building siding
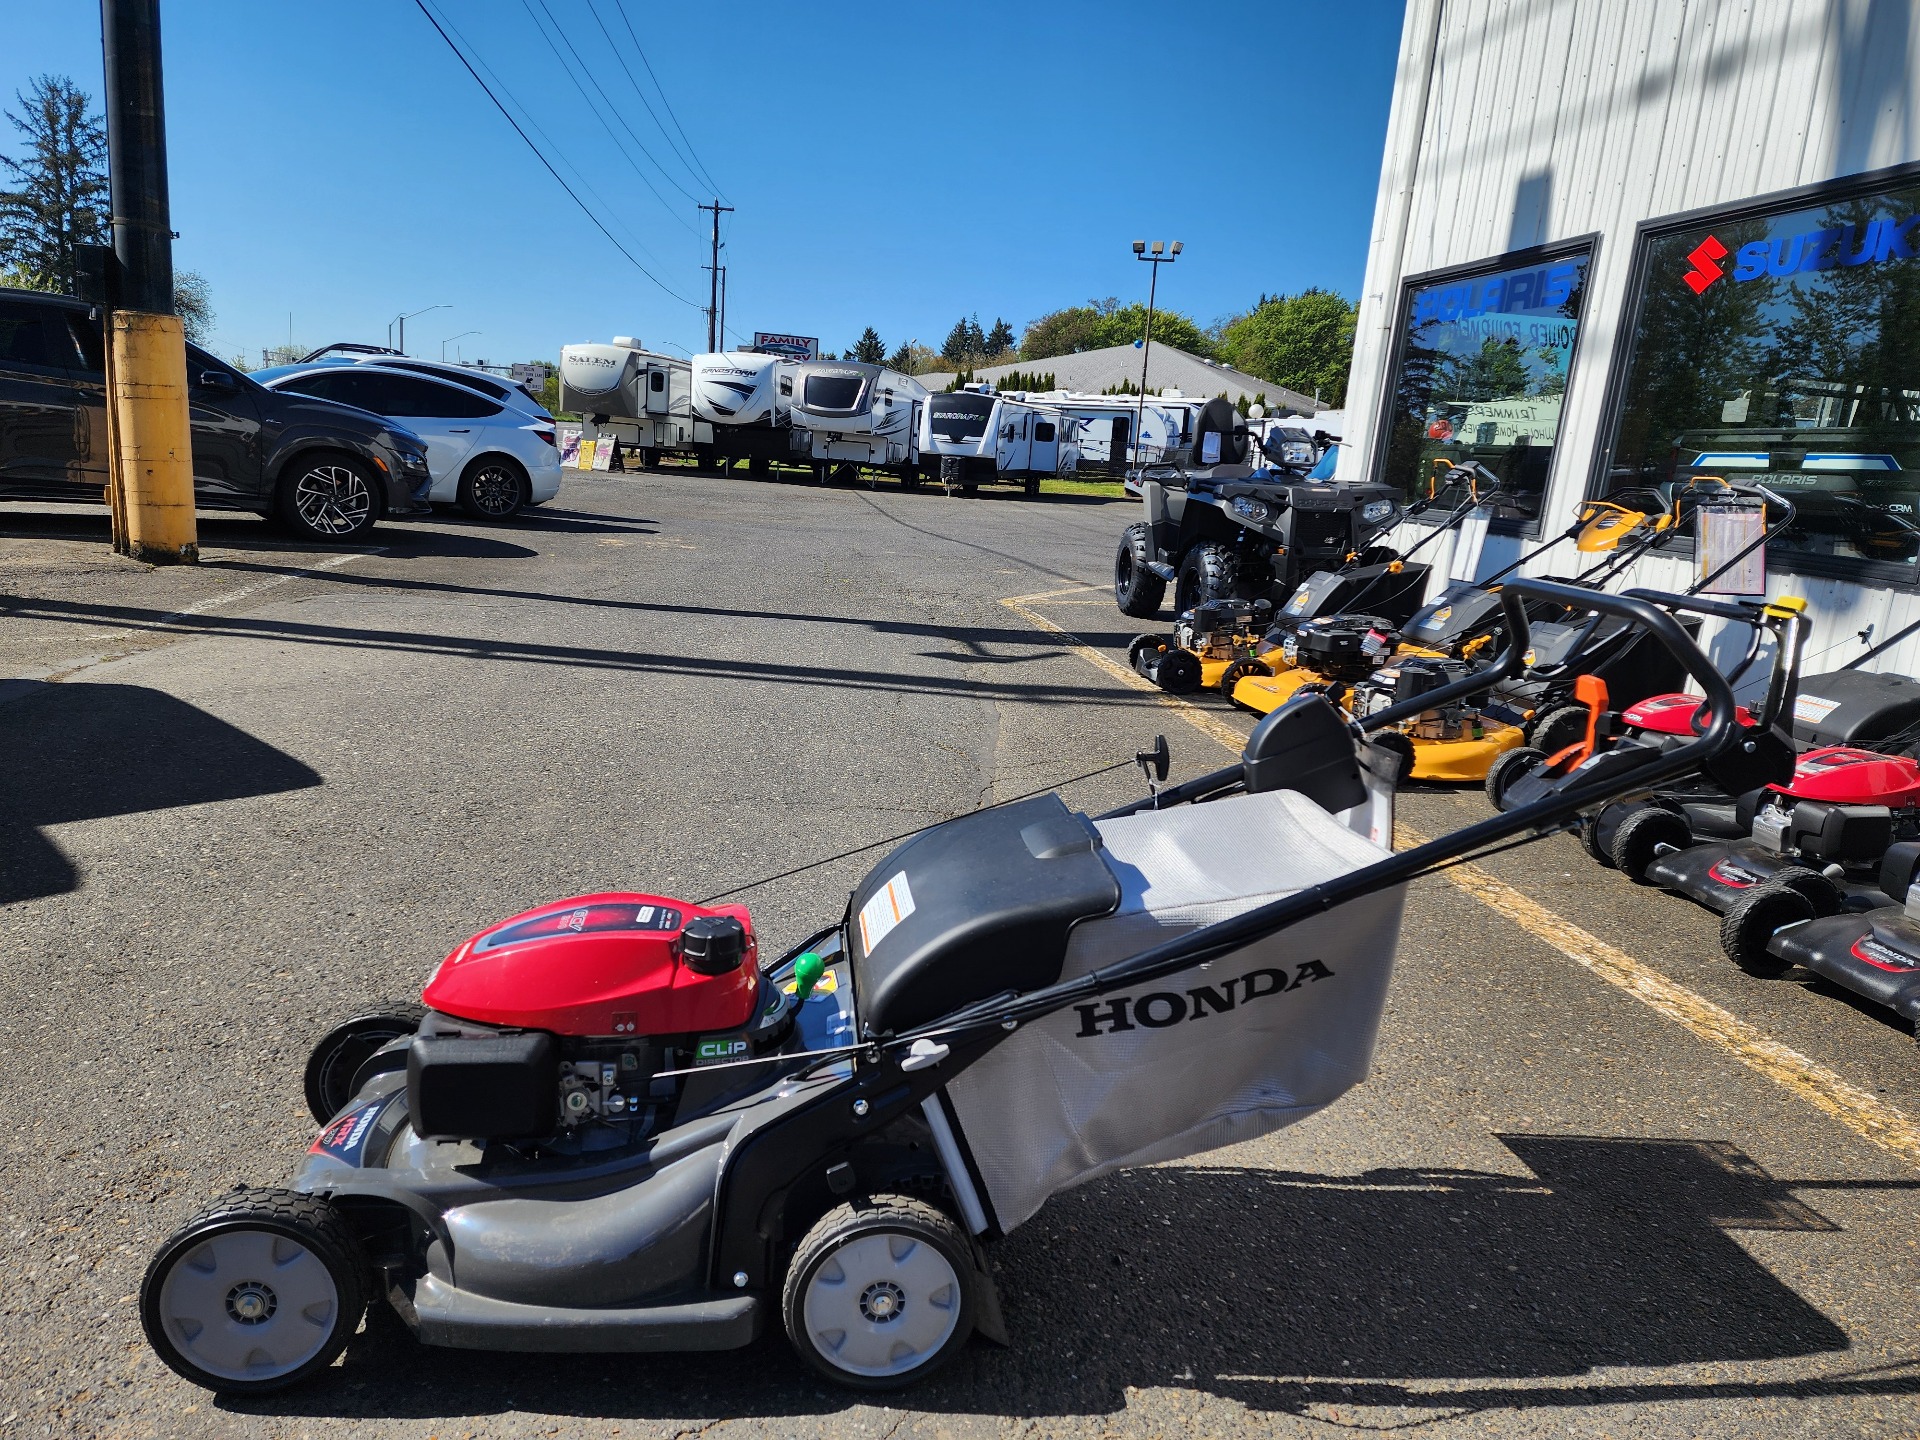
1523	122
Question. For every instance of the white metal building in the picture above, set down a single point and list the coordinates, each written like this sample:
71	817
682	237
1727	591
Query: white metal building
1626	242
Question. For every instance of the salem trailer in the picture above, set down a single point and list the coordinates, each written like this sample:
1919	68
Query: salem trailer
746	398
640	398
859	414
980	437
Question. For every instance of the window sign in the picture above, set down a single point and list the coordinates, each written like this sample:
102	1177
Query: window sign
1784	348
1480	375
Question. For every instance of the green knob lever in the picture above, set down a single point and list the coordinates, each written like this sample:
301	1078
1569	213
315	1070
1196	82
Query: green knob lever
807	971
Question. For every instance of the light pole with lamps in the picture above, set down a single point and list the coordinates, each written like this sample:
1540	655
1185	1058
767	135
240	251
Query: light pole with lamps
401	321
1159	256
451	338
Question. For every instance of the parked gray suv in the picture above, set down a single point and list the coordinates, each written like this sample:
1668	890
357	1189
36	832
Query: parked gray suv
326	471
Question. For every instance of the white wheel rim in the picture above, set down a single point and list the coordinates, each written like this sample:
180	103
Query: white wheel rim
249	1305
333	499
882	1304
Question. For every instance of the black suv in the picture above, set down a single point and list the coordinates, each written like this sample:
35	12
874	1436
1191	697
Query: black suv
327	471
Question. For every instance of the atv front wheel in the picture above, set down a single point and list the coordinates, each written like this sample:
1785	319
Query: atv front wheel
1508	768
1207	572
1136	589
256	1292
1639	840
1756	917
880	1293
333	1069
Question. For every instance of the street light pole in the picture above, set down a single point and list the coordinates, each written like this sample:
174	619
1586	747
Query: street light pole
451	338
149	438
1156	259
402	319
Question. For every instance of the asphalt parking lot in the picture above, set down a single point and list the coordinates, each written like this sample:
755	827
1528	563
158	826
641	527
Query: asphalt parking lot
243	800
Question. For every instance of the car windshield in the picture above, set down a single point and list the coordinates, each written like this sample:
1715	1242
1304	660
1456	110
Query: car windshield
960	416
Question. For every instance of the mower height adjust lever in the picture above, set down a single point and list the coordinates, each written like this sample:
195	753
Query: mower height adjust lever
1154	764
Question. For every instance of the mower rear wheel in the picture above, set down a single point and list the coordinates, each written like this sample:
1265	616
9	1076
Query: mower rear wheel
1508	768
1238	671
1636	843
1590	842
1402	748
1136	589
1557	729
1754	920
1821	893
1175	671
256	1292
880	1293
333	1069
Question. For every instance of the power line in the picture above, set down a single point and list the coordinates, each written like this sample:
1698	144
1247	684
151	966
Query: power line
584	209
619	6
553	146
625	69
607	100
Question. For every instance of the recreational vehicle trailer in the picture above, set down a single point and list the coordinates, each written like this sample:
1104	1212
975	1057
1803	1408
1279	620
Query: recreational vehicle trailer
980	436
859	414
638	397
1106	429
747	398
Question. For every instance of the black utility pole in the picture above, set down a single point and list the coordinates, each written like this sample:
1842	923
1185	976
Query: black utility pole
137	155
713	272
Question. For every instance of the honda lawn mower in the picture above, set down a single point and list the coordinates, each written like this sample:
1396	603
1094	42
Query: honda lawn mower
1217	530
620	1127
1875	954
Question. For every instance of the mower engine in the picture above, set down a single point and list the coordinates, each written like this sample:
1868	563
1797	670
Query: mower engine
1221	630
559	1023
1412	677
1341	649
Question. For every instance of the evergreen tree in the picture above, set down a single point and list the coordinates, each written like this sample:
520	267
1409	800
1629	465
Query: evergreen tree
955	349
869	347
999	339
976	337
60	200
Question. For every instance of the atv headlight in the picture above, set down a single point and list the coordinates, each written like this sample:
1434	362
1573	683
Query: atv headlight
1297	452
1247	508
1374	511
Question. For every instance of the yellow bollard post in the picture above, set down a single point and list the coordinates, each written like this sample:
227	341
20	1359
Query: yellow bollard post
153	440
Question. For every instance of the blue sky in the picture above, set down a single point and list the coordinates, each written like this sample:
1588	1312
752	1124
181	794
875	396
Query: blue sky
892	166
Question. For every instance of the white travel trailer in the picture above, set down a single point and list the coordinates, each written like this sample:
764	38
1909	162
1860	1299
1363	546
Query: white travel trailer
859	414
980	436
1107	422
638	397
747	399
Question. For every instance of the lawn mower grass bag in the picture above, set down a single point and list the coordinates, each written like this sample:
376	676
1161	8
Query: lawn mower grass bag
1227	1051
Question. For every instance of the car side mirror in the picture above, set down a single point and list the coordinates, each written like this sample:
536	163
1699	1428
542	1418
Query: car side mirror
215	380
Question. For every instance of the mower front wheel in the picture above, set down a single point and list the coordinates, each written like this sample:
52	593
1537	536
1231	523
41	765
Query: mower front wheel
1641	838
1136	589
333	1069
256	1292
1238	671
1557	729
1820	892
1756	917
1401	748
1508	768
880	1293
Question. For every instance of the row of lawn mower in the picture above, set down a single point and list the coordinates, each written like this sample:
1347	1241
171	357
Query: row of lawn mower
616	1125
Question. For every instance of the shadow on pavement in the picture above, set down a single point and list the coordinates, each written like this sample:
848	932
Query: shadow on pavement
1280	1290
86	752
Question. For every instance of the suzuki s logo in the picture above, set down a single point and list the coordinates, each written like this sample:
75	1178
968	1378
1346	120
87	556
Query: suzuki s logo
1705	271
1169	1007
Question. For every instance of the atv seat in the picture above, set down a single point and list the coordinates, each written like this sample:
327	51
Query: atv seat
974	908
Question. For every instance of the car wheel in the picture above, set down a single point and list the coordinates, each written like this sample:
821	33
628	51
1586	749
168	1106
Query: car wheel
880	1293
1136	589
256	1292
328	496
492	488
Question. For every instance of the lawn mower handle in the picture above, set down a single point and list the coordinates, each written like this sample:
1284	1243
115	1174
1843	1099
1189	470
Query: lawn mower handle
1209	942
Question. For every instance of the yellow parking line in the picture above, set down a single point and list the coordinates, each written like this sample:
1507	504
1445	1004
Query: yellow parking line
1865	1114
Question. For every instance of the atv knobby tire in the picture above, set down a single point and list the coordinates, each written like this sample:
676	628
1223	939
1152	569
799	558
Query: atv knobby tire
1207	572
1136	589
880	1293
258	1291
1752	922
1636	843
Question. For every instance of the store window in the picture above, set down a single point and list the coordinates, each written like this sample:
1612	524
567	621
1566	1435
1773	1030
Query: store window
1480	374
1783	346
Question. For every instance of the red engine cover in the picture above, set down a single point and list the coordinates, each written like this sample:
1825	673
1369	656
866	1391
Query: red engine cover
1855	777
1672	714
595	965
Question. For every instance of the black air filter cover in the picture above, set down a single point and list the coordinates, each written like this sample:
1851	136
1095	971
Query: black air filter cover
489	1087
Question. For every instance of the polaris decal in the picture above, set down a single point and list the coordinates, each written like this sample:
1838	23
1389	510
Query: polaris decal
1163	1008
1544	289
1828	248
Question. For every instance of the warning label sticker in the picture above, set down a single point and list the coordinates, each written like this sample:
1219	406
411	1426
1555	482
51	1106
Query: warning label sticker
891	904
1812	709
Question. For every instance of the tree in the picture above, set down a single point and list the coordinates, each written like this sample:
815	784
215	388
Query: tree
1303	341
869	347
999	339
193	303
60	200
1102	323
955	350
913	358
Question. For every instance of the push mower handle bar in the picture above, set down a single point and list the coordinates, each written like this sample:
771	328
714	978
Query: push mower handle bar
1212	941
1743	612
